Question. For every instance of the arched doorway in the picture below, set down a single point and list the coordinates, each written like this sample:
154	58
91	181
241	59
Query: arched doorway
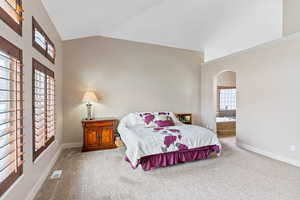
225	106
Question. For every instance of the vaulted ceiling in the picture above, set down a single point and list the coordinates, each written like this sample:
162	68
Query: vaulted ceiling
215	27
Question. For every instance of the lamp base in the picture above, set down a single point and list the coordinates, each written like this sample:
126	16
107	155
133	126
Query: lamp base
89	119
89	111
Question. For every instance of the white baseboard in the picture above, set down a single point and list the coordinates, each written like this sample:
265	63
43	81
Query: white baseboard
44	176
269	154
71	145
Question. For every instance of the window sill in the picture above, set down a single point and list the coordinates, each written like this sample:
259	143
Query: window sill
12	187
44	152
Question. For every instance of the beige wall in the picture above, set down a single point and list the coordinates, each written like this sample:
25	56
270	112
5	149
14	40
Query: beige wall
291	16
268	97
33	171
226	79
130	77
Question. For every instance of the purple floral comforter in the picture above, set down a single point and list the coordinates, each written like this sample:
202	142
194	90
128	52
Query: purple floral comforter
141	141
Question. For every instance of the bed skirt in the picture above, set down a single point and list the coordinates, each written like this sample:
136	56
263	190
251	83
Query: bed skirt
172	158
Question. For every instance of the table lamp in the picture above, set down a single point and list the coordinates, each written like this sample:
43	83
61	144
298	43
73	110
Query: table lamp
89	98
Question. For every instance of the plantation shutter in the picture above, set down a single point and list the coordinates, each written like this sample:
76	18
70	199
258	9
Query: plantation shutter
13	8
43	108
41	42
11	114
50	105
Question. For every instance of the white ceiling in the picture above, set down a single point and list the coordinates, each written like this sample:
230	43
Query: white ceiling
215	27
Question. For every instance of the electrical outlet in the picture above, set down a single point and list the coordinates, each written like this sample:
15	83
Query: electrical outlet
56	174
293	148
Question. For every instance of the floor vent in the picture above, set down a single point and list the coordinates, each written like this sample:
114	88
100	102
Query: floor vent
56	174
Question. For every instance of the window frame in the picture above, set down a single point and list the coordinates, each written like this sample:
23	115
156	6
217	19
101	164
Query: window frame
35	25
8	20
14	51
36	65
219	89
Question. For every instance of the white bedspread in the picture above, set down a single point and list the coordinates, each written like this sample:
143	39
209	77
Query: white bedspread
141	141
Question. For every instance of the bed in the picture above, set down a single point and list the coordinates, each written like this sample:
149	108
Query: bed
155	146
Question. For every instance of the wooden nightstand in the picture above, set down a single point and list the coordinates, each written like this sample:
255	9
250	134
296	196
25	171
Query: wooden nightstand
99	134
185	118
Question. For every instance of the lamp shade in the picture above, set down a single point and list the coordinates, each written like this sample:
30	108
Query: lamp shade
89	97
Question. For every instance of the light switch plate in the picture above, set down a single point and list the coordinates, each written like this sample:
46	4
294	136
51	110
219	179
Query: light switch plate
293	148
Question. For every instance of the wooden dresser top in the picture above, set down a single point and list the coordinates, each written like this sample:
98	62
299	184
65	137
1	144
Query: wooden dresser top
100	119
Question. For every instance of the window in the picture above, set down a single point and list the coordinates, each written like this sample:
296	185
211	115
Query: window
41	42
40	39
11	13
43	108
11	114
227	98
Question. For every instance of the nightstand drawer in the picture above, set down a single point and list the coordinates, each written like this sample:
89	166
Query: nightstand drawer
100	124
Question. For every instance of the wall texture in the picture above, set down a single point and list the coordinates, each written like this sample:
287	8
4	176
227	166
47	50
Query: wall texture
291	15
129	77
268	97
226	79
33	171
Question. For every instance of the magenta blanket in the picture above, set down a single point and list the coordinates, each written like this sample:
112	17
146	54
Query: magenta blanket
172	158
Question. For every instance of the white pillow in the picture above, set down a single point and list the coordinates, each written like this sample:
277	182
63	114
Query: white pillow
136	118
162	117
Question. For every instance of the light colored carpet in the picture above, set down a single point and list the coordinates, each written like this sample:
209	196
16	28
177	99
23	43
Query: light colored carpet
236	175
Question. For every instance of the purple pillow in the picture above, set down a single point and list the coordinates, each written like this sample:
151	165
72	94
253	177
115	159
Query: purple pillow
148	118
164	123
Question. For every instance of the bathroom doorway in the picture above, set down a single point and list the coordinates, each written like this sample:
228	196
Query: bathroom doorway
226	104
